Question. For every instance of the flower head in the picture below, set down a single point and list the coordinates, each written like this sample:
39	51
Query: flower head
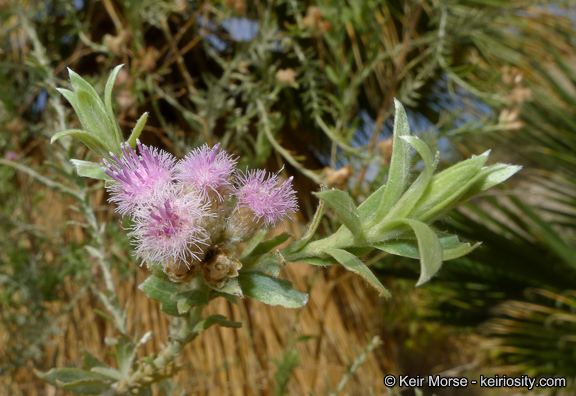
168	230
138	178
207	171
268	201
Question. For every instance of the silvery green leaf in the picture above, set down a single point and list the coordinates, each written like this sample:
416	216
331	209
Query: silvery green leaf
93	142
108	371
83	91
429	247
269	263
230	287
252	243
265	247
97	121
413	194
73	100
341	202
319	261
399	163
108	103
87	387
355	265
488	177
215	319
371	204
89	103
447	187
190	298
270	290
162	291
124	350
310	231
451	247
78	83
90	361
81	381
90	169
137	130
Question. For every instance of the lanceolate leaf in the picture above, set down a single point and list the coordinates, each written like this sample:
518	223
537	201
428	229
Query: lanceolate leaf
137	130
87	387
90	169
232	287
429	248
108	371
73	100
108	104
354	264
399	163
97	121
90	361
369	207
270	290
345	208
81	381
254	241
124	349
489	177
162	291
319	261
447	187
93	142
413	194
190	298
451	247
267	246
269	263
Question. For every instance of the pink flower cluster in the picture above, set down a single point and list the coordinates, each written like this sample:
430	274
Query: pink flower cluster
181	209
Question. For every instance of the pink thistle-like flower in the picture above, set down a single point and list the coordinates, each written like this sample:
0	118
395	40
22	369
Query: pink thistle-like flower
268	201
138	178
207	171
168	230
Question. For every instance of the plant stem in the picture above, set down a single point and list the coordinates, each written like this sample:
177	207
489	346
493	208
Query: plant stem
343	239
159	368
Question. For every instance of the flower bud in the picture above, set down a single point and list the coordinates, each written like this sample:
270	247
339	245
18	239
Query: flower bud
219	267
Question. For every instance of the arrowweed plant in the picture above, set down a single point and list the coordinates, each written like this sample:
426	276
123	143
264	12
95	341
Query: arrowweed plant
199	224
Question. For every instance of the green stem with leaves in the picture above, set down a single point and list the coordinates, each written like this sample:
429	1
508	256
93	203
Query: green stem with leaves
161	367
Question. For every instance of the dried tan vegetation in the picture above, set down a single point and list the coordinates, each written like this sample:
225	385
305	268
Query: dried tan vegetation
343	314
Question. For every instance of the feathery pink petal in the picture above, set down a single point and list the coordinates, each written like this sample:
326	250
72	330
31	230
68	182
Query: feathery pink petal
168	228
261	193
138	178
207	171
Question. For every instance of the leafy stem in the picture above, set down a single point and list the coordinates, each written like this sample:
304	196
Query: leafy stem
150	371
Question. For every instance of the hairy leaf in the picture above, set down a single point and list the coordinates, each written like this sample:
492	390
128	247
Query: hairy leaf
190	298
90	169
108	104
429	248
399	163
270	290
93	142
341	202
162	291
81	381
354	264
137	130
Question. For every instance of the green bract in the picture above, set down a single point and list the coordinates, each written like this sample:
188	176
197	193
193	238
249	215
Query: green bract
396	217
